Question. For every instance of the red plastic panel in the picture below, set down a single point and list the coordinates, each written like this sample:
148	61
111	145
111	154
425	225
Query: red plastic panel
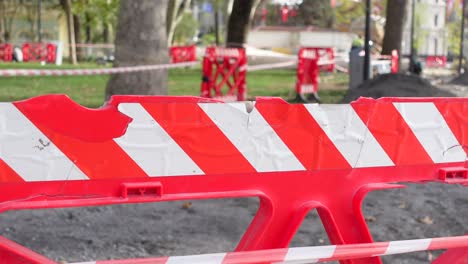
294	157
183	53
224	67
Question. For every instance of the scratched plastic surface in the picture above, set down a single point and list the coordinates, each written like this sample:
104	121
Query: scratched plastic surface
55	153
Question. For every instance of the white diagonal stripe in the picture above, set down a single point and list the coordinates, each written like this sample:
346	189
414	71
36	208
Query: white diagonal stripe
151	147
406	246
430	128
29	152
253	137
308	254
198	259
350	135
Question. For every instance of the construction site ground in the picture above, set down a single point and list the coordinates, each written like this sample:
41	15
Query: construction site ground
193	227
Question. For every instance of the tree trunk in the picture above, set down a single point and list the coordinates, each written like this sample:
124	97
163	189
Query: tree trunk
88	27
66	5
396	10
239	22
140	40
77	27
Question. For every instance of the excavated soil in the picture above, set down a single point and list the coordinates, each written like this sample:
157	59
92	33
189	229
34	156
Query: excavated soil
396	85
178	228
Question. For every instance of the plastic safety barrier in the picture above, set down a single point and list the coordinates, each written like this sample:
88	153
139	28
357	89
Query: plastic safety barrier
6	52
38	52
308	73
436	61
224	67
152	149
183	53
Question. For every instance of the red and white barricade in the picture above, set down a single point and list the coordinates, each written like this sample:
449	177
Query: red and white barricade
436	61
307	73
224	68
6	52
38	52
326	59
223	150
183	53
395	61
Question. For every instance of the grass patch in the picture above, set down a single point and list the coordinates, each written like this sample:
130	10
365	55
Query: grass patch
89	90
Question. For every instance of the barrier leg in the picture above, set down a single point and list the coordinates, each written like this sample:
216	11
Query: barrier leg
10	252
453	256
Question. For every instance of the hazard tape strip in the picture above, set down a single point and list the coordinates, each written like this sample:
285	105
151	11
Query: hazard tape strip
307	254
283	65
271	66
72	72
341	69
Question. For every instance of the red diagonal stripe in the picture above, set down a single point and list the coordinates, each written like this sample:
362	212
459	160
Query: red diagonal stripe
392	132
7	174
455	114
303	135
98	159
199	137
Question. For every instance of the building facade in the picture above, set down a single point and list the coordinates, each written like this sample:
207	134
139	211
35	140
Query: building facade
430	35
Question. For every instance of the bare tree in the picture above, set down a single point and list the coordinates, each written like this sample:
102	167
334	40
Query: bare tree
140	40
239	21
396	10
175	12
9	9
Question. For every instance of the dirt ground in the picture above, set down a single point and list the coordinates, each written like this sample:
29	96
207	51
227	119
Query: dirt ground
159	229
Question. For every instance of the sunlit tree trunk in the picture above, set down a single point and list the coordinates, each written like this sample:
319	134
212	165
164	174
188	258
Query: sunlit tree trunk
140	40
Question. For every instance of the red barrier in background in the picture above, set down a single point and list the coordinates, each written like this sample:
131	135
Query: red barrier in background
6	52
436	61
224	67
38	52
308	72
183	53
215	150
326	59
394	63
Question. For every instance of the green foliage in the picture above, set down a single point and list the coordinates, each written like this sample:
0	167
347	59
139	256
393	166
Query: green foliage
453	28
317	12
186	29
421	15
346	11
99	13
210	39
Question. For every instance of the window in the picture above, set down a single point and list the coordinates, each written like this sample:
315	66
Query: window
435	46
436	18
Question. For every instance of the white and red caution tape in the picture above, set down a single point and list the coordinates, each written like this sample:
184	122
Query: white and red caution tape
307	254
283	65
72	72
271	66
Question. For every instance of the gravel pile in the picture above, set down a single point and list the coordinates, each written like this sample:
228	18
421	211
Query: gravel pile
396	85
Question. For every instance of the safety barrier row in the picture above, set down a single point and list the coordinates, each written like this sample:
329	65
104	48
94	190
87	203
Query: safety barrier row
151	149
307	254
6	52
436	61
38	52
227	66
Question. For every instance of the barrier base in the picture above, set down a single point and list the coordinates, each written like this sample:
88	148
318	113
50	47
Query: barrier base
308	98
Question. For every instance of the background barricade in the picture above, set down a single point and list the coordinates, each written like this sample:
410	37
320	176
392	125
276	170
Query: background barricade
38	52
183	53
6	52
224	67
